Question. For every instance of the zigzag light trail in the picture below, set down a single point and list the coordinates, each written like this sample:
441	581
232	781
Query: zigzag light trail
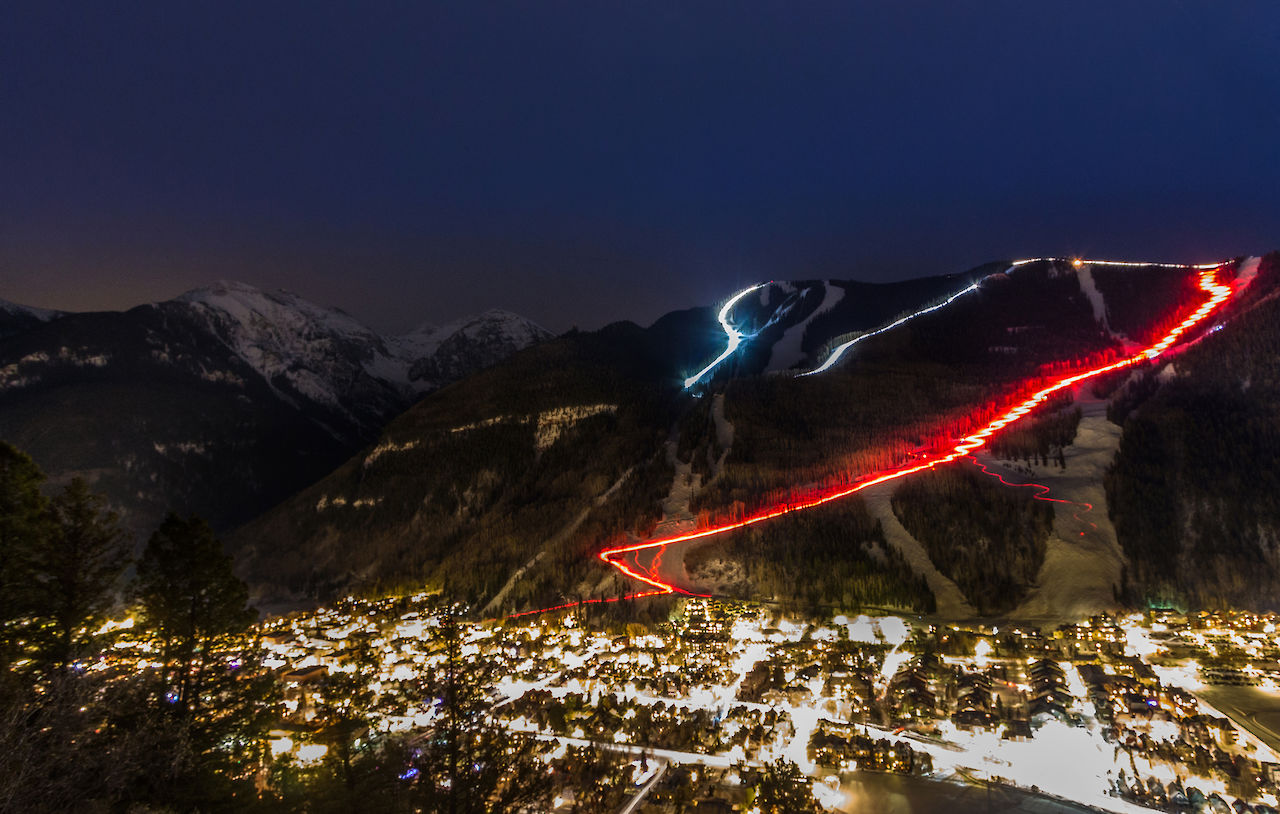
617	557
1042	492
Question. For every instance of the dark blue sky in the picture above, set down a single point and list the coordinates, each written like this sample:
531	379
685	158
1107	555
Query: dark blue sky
587	161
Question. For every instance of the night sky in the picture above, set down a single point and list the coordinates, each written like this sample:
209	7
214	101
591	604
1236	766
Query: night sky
581	162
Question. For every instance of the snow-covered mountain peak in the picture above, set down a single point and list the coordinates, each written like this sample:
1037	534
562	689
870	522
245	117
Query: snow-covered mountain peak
250	306
41	314
496	321
219	287
423	329
293	341
312	353
234	396
16	319
470	343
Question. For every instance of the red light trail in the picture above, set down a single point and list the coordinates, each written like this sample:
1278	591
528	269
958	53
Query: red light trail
617	557
1041	495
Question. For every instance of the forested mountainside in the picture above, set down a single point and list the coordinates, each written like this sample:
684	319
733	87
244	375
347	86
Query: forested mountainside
501	488
535	457
835	556
934	378
221	402
927	378
987	538
525	468
1195	488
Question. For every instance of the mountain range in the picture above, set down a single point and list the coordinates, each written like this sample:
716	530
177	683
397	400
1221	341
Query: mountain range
337	461
502	489
222	401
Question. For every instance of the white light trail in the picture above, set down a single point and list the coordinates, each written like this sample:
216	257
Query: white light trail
1077	262
835	354
734	335
1080	261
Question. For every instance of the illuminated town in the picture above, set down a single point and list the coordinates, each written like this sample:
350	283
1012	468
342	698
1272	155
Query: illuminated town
654	697
621	408
1115	713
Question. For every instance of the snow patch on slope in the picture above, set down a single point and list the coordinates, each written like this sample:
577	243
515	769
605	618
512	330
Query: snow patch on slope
786	351
1096	301
25	372
387	447
549	425
553	423
1247	270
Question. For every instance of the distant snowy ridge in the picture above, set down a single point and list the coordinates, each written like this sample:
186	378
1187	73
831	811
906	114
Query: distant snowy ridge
306	353
41	314
317	351
453	350
223	401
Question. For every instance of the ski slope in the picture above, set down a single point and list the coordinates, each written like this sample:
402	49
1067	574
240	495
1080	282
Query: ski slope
625	558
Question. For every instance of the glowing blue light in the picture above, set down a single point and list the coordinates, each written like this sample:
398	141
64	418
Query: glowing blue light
735	336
